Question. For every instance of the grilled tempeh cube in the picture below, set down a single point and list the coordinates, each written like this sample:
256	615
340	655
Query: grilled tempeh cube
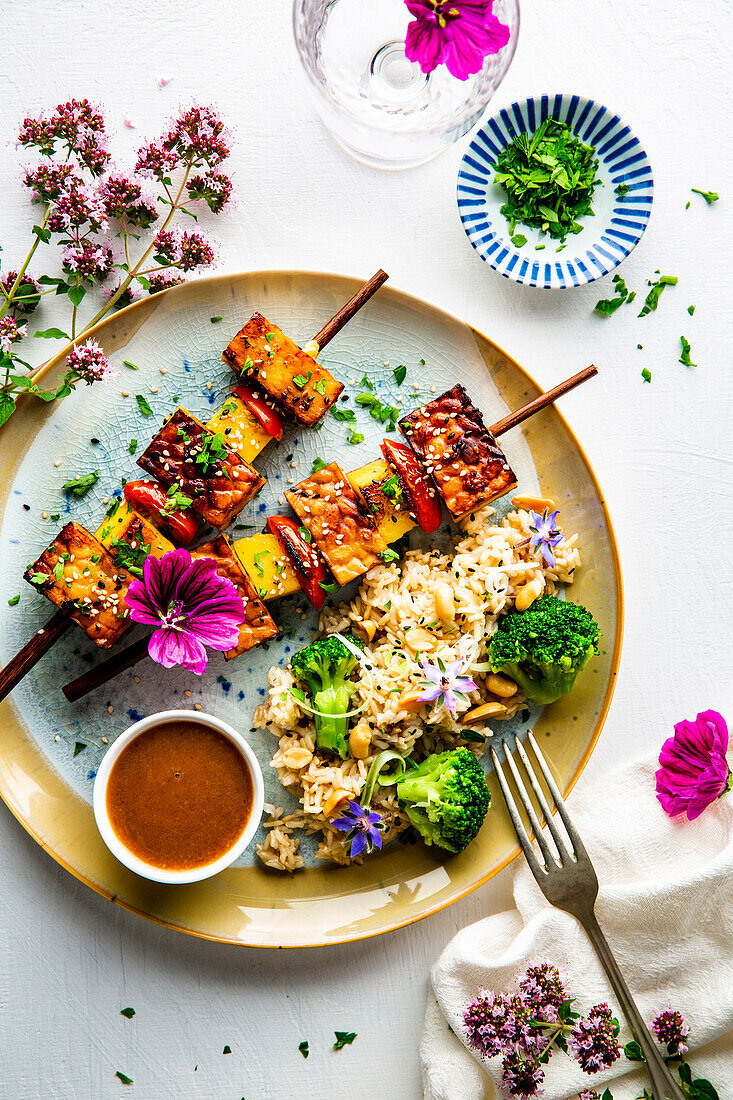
187	454
339	521
84	583
262	353
450	438
259	624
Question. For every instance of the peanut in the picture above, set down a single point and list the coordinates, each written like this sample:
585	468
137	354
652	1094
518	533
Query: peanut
296	757
501	686
335	799
445	604
537	504
360	740
529	592
483	710
419	639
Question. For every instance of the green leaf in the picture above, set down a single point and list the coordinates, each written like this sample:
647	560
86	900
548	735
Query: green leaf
389	555
318	464
7	408
76	294
303	1048
51	334
709	196
518	240
133	446
39	579
227	1049
330	588
342	414
700	1089
472	737
343	1038
132	366
355	438
42	234
143	405
215	320
143	281
79	746
632	1051
685	357
128	1012
123	1077
690	310
646	374
14	600
607	306
652	299
320	386
685	1073
82	484
400	373
305	534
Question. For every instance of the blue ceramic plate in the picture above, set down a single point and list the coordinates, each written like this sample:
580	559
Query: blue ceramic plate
606	239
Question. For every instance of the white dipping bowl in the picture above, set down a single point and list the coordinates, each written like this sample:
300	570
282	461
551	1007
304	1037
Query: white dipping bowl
113	842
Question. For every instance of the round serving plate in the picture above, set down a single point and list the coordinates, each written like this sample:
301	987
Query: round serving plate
622	206
50	749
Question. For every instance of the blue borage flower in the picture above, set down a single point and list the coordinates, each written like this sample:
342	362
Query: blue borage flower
447	684
546	535
362	827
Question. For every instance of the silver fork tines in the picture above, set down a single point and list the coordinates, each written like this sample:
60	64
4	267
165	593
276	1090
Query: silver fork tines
568	880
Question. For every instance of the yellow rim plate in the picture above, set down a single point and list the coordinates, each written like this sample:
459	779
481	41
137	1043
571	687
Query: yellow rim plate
325	905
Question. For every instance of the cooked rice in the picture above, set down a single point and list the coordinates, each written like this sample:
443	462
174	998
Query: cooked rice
487	568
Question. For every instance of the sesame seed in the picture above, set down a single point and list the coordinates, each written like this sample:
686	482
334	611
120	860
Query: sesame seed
105	740
44	515
57	462
110	709
105	500
57	737
125	393
163	370
208	385
153	389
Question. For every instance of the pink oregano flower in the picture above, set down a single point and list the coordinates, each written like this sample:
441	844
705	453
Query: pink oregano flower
191	606
459	34
693	770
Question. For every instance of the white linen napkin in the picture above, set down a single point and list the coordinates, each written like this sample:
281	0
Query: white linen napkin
666	906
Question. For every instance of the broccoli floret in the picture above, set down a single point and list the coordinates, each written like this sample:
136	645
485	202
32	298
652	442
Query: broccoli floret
446	798
325	666
545	647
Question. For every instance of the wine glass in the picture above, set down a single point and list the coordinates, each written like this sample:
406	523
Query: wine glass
380	107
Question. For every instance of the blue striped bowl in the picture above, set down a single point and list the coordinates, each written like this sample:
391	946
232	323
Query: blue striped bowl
605	240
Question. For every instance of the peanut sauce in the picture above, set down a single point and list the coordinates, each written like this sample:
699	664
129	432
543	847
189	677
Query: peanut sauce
179	795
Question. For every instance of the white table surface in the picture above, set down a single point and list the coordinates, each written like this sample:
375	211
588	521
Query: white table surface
70	960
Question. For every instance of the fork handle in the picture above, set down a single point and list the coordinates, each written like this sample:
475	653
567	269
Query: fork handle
663	1084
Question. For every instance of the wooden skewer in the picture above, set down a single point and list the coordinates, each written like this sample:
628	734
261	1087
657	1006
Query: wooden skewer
58	624
100	674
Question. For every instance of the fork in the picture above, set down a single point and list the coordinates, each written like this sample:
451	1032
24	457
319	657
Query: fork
569	882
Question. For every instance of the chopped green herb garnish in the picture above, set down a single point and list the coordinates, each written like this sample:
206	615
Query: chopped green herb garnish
687	205
303	1048
215	320
305	534
131	558
365	383
607	306
318	464
549	178
709	196
343	1038
39	578
269	336
385	414
355	437
690	310
213	451
55	517
133	446
82	484
320	386
392	489
389	555
646	374
58	570
652	299
330	588
622	189
473	737
227	1050
538	247
301	380
640	347
128	1012
518	240
123	1077
256	559
685	357
400	373
113	507
143	405
177	500
132	366
79	746
14	600
342	414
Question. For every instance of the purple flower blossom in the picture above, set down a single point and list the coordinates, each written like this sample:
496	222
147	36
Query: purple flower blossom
191	606
166	245
163	282
362	827
155	159
693	770
670	1028
447	683
129	295
26	296
213	187
489	1028
90	363
459	34
589	1094
543	991
521	1076
195	251
199	137
88	260
48	181
76	206
545	535
594	1040
124	200
76	126
10	332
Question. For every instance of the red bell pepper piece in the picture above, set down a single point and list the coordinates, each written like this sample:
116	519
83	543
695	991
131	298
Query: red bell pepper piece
423	498
308	564
150	498
263	413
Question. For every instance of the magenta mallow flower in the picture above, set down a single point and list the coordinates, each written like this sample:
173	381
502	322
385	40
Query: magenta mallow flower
693	769
10	333
459	34
90	363
670	1028
362	827
594	1040
545	534
191	606
447	683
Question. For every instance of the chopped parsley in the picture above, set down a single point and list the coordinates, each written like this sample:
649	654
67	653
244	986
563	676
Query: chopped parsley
690	310
215	320
329	588
392	489
131	558
343	1038
14	600
685	357
305	534
39	578
355	437
212	451
646	374
132	366
318	464
607	306
55	517
79	746
269	336
518	240
133	446
652	299
82	484
622	189
389	555
365	383
123	1077
128	1012
303	1048
227	1049
400	374
177	500
549	178
142	404
320	387
385	414
709	196
58	570
301	380
342	414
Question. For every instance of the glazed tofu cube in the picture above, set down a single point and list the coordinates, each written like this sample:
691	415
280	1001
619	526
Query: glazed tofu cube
240	429
340	522
130	538
262	353
186	454
259	624
390	514
82	580
454	445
